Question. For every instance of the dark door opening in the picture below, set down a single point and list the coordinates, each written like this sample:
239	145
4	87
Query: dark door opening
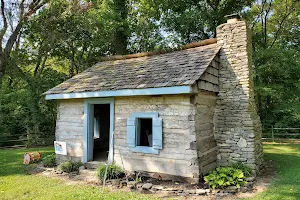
101	131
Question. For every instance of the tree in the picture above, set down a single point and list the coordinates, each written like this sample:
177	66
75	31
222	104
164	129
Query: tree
191	20
275	27
272	21
23	12
277	88
122	29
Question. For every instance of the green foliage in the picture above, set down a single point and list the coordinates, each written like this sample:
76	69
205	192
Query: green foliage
277	75
49	161
245	169
25	115
69	166
275	26
138	178
66	166
189	20
113	171
225	176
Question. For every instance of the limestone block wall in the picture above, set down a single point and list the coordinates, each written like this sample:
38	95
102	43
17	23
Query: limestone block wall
177	157
237	125
70	128
207	148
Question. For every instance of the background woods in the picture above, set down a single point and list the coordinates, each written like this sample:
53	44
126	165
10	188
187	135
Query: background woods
45	42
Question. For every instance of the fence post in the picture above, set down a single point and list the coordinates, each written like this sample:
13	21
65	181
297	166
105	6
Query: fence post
272	134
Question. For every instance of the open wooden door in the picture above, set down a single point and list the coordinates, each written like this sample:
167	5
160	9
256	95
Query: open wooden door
88	132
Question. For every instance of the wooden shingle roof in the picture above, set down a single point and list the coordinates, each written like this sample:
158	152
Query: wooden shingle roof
178	68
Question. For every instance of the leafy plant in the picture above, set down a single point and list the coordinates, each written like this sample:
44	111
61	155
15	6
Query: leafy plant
246	170
225	176
69	166
138	178
113	171
49	161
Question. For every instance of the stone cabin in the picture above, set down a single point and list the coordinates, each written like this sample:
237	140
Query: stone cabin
177	114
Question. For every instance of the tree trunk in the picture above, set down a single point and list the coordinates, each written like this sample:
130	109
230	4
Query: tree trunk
2	68
121	34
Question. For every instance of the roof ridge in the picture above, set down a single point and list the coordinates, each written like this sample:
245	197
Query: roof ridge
160	51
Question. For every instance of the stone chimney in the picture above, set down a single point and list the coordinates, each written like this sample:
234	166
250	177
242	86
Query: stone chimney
237	125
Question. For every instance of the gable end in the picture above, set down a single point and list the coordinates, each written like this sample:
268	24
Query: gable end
209	80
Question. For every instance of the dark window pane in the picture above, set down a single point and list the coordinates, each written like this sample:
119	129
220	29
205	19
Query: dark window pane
144	132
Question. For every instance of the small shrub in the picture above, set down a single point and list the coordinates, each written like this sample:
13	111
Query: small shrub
69	166
247	171
225	176
113	171
49	161
138	177
65	166
76	165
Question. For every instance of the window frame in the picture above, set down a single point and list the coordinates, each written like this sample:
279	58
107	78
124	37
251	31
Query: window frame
133	119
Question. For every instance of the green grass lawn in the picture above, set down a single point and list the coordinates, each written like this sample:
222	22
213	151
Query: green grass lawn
16	184
286	185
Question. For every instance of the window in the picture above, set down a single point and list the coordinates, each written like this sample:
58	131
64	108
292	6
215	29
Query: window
144	132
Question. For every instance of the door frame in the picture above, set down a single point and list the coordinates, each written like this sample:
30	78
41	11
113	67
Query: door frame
88	143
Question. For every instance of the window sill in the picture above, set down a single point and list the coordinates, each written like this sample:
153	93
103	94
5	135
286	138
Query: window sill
143	149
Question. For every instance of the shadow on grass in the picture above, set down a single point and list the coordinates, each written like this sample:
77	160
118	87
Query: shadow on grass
11	160
287	162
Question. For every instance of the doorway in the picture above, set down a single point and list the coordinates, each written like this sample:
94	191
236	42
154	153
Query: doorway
101	132
98	130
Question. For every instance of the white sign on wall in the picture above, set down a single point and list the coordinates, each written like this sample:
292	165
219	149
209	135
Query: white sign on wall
60	147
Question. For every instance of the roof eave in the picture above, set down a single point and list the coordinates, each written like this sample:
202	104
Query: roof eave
126	92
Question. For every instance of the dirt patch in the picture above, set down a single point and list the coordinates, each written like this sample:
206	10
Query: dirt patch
263	181
171	189
69	178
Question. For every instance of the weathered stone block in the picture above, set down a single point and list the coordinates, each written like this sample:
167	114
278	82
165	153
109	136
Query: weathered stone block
207	144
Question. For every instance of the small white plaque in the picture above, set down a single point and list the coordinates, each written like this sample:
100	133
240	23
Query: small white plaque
60	147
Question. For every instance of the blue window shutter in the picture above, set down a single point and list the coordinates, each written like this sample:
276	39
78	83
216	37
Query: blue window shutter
131	136
157	132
